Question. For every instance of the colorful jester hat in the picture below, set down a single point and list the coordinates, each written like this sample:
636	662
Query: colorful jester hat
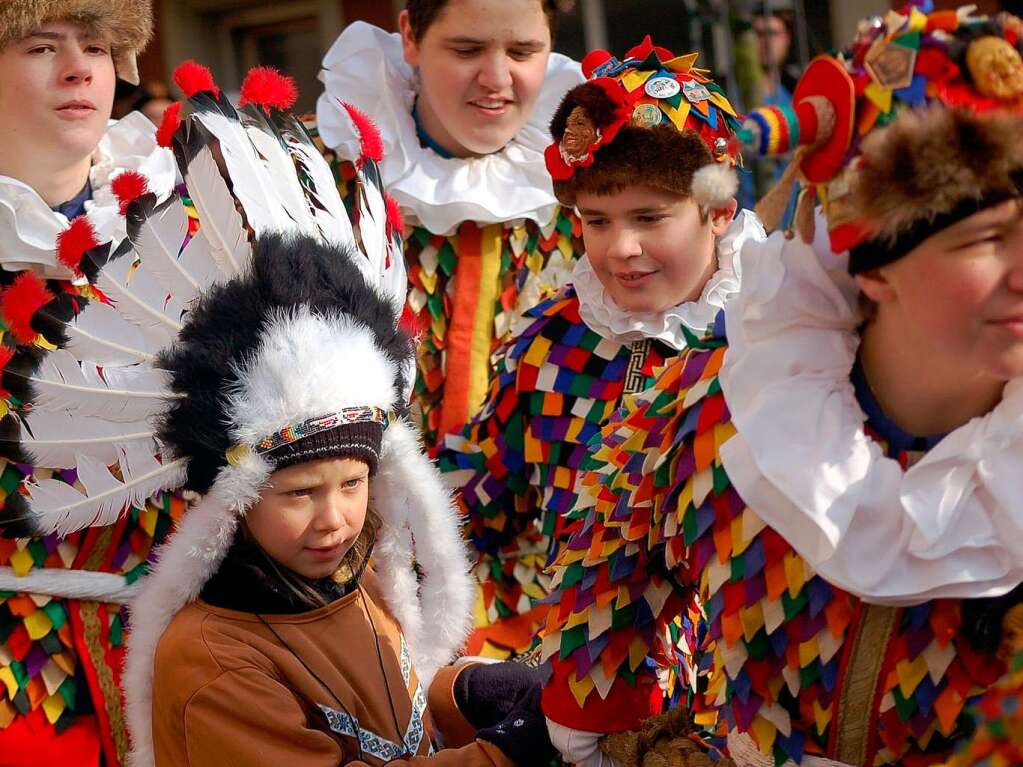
652	119
914	127
127	25
267	334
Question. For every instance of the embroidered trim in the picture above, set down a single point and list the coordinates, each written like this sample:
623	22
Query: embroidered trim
635	379
293	432
376	746
859	688
93	626
406	662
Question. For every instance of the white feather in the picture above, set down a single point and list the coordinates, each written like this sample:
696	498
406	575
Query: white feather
130	393
158	242
58	439
142	299
281	167
63	509
372	227
220	223
315	175
252	183
101	335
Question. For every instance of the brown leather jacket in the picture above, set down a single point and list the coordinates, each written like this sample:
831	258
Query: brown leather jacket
230	689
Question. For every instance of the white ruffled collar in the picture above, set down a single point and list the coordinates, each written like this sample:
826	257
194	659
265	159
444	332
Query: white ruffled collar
365	68
600	312
31	228
949	526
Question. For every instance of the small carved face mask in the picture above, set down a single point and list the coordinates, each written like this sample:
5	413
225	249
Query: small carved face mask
580	134
996	68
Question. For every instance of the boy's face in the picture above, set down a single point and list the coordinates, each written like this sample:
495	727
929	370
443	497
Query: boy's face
960	292
311	514
56	93
482	64
651	250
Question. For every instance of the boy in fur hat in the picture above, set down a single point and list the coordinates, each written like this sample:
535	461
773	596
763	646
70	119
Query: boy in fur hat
836	469
645	152
61	625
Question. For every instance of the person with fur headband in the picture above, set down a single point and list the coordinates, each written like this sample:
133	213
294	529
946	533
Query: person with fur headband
306	606
63	167
645	152
463	97
835	470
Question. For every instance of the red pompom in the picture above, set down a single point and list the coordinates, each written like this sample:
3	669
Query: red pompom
128	187
74	242
19	304
369	135
266	87
192	77
411	324
169	125
395	220
592	60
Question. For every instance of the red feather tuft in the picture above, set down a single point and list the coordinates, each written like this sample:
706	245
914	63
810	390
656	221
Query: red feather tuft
169	125
192	77
20	302
369	135
128	187
266	87
74	242
411	324
395	220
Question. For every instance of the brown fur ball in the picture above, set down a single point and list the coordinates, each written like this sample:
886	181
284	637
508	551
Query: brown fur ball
926	162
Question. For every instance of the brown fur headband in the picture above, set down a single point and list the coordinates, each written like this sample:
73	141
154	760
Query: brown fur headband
926	163
126	24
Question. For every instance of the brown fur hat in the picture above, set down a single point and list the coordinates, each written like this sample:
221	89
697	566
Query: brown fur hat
661	157
927	162
126	24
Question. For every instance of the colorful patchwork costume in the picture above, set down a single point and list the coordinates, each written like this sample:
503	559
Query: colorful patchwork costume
760	472
62	626
571	359
484	237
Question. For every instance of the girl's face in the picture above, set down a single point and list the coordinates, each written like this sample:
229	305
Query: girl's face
482	64
959	294
311	514
651	250
56	93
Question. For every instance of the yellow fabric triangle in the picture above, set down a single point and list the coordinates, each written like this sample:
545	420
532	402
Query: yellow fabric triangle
635	79
917	21
580	688
722	103
54	707
880	97
38	625
677	116
682	64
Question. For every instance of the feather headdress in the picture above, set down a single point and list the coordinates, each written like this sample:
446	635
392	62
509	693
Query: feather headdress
203	341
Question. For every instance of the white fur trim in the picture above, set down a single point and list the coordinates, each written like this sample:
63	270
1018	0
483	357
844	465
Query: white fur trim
715	185
69	584
337	360
409	490
183	566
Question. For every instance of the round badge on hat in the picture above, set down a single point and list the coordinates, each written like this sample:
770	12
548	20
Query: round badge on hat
662	87
646	115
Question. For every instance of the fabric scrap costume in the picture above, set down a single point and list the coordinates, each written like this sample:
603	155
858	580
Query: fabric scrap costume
568	364
761	471
265	190
484	238
62	628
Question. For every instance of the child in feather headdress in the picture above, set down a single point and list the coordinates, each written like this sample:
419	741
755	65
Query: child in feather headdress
62	172
258	363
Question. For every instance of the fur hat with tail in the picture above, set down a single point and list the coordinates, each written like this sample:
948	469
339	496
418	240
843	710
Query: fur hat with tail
653	119
126	24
